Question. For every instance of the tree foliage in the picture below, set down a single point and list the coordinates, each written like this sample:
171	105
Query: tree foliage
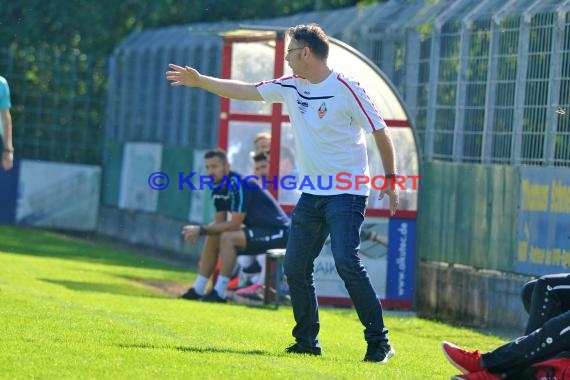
97	26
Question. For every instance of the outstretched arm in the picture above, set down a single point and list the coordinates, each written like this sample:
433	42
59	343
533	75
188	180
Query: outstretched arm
190	77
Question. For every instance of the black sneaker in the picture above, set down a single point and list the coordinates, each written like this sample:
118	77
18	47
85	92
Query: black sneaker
213	296
300	349
253	268
379	352
191	295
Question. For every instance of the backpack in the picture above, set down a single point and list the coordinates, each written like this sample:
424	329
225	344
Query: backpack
557	368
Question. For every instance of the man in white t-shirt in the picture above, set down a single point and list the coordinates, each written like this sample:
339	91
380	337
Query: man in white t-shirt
329	115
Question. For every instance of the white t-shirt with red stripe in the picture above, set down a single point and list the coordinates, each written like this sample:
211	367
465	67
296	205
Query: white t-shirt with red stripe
329	120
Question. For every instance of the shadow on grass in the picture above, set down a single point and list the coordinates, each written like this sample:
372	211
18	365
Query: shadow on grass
119	289
89	248
198	349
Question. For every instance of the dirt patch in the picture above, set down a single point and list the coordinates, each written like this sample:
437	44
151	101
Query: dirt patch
168	288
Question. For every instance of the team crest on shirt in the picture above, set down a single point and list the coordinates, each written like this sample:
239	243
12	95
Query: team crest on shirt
322	110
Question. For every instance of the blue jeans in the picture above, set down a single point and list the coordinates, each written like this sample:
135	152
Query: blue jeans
314	218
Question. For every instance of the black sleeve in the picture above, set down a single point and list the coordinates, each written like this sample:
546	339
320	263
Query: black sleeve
220	199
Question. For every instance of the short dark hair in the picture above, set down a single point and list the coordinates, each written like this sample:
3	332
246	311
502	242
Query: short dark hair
263	156
218	152
313	36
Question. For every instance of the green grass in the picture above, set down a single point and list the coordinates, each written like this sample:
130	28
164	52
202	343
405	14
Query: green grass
73	309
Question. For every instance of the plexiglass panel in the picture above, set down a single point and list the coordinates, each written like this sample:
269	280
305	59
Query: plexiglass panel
288	169
407	163
252	62
241	138
352	66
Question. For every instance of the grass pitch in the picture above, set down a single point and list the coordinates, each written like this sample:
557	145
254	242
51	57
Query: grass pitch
71	309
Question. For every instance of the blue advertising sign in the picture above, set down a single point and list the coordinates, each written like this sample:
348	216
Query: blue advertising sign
401	260
388	252
544	221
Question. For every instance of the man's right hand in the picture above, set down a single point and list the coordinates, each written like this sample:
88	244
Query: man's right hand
183	76
191	233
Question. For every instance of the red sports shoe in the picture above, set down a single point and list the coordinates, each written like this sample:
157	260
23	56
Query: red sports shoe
253	292
479	375
463	360
234	283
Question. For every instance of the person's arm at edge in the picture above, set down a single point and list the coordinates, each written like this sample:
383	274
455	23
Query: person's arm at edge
8	149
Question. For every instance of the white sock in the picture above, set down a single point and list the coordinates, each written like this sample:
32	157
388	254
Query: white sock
200	284
260	260
244	261
222	286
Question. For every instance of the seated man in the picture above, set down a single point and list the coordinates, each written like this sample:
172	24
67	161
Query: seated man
256	223
545	298
548	334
